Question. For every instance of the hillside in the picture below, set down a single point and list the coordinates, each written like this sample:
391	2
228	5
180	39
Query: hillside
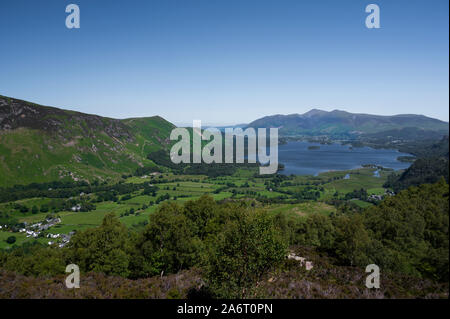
344	124
40	143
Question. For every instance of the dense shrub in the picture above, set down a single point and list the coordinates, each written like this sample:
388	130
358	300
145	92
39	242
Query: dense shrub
243	253
11	240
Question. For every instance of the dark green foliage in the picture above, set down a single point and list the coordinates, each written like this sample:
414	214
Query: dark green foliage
202	213
406	233
102	249
434	147
360	194
351	240
212	170
64	190
162	158
423	170
150	190
412	227
168	241
11	240
33	260
24	209
162	198
140	171
239	256
7	219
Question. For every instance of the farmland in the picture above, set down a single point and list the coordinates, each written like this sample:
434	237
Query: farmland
295	196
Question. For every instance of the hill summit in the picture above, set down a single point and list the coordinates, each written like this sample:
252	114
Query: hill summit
339	123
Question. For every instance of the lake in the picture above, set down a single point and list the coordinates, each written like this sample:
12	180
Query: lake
303	158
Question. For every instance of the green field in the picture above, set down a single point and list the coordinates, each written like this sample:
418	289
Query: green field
303	209
278	195
20	239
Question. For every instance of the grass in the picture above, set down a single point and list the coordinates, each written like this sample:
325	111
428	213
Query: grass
361	178
361	203
20	239
82	220
302	209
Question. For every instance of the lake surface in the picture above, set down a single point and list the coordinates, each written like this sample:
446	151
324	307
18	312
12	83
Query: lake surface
300	160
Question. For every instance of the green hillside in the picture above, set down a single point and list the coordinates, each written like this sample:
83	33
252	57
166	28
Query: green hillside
40	143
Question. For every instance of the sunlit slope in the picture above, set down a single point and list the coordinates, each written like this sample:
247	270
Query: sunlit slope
40	143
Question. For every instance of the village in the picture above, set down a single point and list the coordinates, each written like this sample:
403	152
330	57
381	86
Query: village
37	230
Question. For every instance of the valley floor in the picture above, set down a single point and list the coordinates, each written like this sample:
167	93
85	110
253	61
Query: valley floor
296	196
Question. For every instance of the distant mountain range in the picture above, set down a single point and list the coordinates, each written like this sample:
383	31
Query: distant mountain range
344	124
40	143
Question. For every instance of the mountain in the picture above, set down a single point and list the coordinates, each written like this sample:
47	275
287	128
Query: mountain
344	124
40	143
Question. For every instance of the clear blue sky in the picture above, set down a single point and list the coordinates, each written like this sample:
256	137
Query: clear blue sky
227	61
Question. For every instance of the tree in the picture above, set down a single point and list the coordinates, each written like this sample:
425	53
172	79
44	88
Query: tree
168	241
11	240
24	209
201	212
34	210
319	231
44	208
102	249
34	259
351	240
247	248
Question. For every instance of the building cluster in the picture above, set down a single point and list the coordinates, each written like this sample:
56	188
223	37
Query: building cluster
34	230
64	239
387	192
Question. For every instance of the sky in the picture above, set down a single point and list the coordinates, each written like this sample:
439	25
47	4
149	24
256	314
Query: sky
227	61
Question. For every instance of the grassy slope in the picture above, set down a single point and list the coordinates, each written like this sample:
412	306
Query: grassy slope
78	145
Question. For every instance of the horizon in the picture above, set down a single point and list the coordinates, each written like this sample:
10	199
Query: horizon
215	124
228	63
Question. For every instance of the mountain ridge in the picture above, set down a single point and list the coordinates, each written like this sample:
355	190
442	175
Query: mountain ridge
338	123
42	143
